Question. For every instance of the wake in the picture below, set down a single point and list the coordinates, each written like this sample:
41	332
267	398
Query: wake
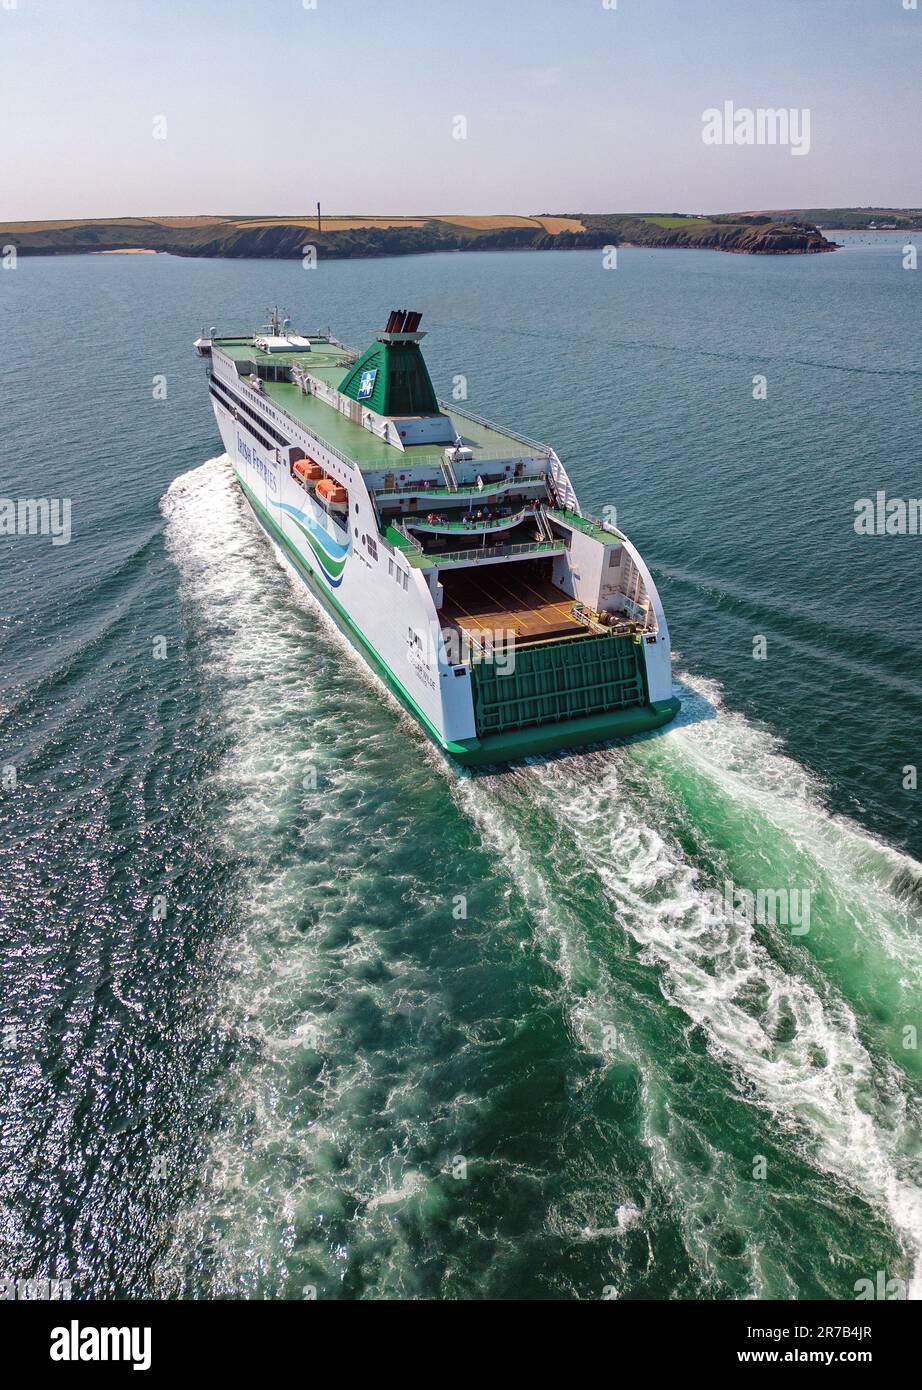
803	1051
639	832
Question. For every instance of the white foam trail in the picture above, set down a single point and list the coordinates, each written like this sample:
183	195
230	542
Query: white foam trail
503	809
253	644
802	1059
306	932
748	766
832	1110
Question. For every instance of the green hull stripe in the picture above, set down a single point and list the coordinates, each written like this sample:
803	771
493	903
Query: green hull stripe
568	733
334	568
495	748
339	613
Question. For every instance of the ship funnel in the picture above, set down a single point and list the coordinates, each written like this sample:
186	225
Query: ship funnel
391	376
402	321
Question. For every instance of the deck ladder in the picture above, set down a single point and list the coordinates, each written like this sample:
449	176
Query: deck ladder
449	474
544	525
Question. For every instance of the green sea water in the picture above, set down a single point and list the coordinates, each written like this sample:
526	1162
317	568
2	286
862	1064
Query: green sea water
293	1007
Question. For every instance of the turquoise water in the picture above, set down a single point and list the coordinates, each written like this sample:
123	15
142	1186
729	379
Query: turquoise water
313	1074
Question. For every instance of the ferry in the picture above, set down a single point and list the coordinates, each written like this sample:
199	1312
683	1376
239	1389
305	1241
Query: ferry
451	551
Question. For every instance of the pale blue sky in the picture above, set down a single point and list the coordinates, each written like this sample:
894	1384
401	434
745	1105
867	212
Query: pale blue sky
570	106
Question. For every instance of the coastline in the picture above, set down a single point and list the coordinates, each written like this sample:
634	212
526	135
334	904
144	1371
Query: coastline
366	238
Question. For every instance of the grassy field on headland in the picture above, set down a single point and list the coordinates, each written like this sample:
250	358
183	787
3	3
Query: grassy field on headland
852	219
348	235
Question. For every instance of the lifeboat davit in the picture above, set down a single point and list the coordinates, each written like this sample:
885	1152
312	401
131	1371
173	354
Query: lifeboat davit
334	494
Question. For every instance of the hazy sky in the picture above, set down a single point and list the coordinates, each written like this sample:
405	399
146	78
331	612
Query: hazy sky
570	106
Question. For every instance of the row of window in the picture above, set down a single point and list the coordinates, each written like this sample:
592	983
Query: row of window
253	414
395	572
228	404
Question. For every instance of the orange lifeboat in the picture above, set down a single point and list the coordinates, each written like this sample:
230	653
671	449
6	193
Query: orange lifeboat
333	493
308	471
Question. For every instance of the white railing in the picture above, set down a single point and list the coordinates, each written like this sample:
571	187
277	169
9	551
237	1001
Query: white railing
544	450
423	487
407	537
494	552
472	528
563	488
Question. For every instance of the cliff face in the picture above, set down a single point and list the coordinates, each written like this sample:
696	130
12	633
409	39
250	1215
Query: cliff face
774	240
764	241
284	239
750	237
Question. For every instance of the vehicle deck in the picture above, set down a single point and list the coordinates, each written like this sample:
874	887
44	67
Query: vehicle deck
517	598
367	450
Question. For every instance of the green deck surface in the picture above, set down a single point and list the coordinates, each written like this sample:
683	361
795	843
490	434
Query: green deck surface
366	450
415	558
584	524
360	445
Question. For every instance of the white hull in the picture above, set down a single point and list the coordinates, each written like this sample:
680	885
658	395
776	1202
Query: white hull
388	606
383	600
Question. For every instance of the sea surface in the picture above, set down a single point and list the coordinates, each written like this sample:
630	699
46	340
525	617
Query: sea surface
251	1045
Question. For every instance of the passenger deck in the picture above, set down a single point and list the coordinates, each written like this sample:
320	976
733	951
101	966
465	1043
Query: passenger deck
328	361
518	597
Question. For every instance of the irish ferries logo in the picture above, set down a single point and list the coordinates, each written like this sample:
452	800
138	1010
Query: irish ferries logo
327	552
367	383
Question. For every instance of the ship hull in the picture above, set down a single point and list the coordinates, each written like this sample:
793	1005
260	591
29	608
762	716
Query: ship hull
494	749
568	734
382	605
345	624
